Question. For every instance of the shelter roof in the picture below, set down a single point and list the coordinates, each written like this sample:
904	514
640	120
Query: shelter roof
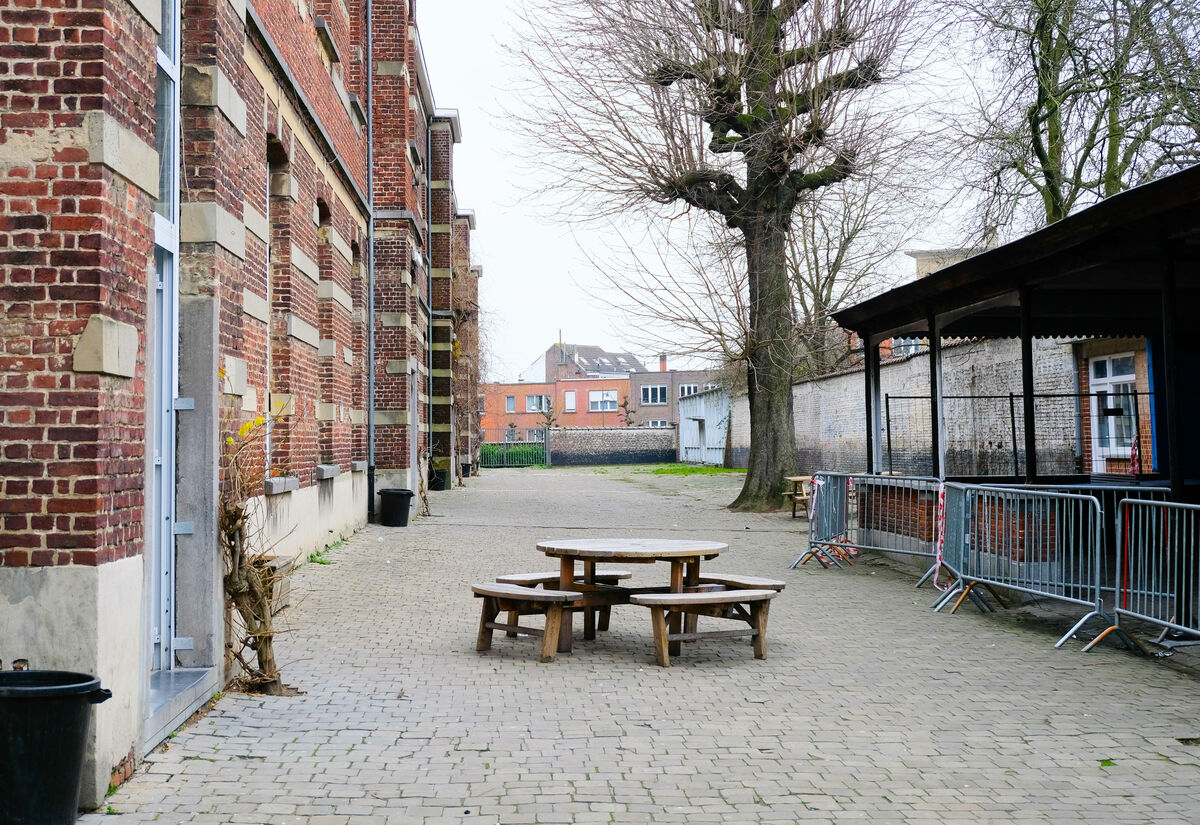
1097	272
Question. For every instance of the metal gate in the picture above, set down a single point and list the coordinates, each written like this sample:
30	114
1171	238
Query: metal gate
512	447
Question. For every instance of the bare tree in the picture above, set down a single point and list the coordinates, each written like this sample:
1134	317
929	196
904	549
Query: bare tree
839	253
1075	109
737	108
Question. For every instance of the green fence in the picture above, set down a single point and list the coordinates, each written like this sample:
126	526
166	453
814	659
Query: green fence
512	454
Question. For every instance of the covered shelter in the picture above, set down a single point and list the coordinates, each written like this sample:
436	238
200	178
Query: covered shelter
1126	267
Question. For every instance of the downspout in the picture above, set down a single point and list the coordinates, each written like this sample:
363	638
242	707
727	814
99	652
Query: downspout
370	266
429	260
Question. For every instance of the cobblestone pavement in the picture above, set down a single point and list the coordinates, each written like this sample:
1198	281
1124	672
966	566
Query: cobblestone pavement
870	706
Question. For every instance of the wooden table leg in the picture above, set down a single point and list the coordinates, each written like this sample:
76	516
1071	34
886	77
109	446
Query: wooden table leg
589	613
566	580
676	620
691	578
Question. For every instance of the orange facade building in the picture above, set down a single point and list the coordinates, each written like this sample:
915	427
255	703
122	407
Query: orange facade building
516	412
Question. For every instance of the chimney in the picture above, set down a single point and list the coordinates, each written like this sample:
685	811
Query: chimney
662	363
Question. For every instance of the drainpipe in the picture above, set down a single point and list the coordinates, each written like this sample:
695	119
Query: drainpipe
370	266
429	260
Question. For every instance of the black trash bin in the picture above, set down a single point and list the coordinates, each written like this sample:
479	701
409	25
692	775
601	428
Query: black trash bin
43	730
440	480
394	505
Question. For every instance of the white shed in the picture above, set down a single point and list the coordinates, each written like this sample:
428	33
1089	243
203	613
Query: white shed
703	422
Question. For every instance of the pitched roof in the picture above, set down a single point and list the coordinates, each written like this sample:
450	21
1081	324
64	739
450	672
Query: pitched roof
596	359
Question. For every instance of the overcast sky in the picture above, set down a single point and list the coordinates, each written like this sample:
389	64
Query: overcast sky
533	267
530	266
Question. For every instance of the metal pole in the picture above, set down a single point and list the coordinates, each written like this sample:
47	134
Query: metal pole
1171	373
1012	418
370	264
1031	470
936	418
871	374
887	417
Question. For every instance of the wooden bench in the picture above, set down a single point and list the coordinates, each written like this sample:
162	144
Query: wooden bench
800	494
522	601
549	578
749	606
735	582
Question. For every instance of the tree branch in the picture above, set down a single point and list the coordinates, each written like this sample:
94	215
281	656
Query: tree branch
787	9
707	189
866	73
798	181
831	40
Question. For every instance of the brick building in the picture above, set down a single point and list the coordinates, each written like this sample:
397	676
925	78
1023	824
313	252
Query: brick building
654	396
190	242
574	402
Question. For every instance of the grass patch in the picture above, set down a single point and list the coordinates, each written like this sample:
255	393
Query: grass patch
688	470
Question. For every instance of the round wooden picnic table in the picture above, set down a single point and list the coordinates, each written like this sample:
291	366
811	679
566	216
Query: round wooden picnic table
684	555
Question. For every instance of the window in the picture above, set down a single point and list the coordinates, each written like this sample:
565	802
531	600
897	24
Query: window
510	434
657	423
510	403
688	389
710	386
905	346
602	400
482	404
537	403
535	435
1114	409
569	401
654	394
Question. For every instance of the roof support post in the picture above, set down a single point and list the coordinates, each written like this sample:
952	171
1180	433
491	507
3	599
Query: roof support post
871	353
937	421
1025	298
1170	347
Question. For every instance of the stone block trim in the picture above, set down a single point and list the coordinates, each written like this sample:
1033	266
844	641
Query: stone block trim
107	346
209	223
121	150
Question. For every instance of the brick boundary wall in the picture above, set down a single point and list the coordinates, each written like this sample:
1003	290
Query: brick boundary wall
588	446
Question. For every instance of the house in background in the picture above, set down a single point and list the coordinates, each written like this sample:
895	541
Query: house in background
654	396
575	402
562	361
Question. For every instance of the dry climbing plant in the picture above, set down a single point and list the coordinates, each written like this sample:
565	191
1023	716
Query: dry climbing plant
250	577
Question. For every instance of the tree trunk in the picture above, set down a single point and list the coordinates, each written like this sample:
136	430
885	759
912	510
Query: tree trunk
769	371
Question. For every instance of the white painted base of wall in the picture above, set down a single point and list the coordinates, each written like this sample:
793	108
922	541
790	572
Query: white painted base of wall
301	521
86	620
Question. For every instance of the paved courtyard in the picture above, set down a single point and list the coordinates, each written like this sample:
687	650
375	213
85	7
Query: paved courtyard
869	708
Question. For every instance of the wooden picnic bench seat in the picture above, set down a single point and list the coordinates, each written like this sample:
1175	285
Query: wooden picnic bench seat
736	582
800	497
522	601
750	606
549	578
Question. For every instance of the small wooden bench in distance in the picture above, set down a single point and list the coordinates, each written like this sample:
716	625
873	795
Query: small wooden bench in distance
749	606
522	601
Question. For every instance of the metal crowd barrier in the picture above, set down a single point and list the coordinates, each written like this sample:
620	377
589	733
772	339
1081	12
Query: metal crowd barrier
1157	567
850	513
1032	541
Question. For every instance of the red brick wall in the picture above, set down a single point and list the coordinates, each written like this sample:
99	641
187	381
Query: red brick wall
75	239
